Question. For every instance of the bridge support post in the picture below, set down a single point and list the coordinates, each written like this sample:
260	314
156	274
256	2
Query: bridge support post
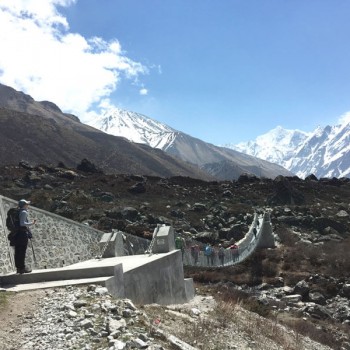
164	242
267	240
111	244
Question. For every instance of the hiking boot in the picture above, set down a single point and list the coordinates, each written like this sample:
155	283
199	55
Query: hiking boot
25	270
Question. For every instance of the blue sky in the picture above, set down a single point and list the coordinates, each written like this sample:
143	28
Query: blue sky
223	71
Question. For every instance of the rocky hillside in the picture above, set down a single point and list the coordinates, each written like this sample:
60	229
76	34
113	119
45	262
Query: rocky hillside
303	283
39	132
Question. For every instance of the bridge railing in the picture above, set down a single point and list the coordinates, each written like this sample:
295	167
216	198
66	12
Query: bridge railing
246	247
134	245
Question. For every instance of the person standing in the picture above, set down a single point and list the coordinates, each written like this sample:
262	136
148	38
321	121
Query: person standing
195	253
208	252
234	252
180	244
221	254
21	240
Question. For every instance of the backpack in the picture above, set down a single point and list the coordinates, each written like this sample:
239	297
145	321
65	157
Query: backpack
12	220
178	243
208	250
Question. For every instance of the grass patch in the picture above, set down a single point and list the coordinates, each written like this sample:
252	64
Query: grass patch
3	299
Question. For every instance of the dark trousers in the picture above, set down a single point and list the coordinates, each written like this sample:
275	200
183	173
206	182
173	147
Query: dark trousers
20	255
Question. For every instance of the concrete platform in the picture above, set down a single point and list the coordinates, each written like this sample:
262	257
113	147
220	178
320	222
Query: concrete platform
141	278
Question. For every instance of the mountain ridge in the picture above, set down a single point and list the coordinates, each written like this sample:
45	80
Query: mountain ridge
39	132
325	152
213	159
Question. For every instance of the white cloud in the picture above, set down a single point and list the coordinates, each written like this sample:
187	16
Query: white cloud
40	56
143	91
344	119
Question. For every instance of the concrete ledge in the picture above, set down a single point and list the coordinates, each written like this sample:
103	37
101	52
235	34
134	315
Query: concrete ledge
159	282
54	284
145	279
57	275
189	289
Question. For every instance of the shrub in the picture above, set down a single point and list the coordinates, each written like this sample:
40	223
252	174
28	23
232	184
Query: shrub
314	332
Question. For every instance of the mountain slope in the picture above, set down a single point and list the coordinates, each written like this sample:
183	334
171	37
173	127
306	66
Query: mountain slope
277	146
39	132
223	163
325	152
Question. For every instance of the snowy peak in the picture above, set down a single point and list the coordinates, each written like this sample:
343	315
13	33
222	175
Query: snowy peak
135	127
218	162
325	152
275	146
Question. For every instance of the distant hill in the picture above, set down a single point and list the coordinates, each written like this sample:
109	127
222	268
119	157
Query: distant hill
39	132
222	163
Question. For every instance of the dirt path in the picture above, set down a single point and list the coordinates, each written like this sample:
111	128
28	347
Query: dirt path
17	308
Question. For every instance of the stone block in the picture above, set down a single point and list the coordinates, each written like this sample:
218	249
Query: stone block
294	298
164	241
111	246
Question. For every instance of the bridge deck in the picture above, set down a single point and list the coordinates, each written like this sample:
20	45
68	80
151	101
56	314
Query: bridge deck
86	272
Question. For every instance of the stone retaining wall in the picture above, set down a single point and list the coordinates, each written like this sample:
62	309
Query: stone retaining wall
57	241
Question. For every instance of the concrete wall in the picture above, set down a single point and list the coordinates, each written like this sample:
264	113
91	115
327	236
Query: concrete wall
161	283
267	239
57	241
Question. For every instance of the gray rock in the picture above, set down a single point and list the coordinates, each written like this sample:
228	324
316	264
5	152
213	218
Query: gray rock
130	213
199	207
345	291
86	323
129	304
301	288
342	214
318	311
115	325
137	188
317	298
80	303
139	343
294	298
101	290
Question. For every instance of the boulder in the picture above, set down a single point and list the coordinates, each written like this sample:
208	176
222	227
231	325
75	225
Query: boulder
345	291
317	298
301	288
342	214
129	213
320	223
137	188
88	167
285	193
318	311
293	298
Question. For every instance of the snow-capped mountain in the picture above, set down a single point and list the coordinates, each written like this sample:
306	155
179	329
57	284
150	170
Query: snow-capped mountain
222	163
276	146
325	152
135	127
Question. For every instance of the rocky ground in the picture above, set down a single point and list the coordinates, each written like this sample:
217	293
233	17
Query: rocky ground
303	283
89	318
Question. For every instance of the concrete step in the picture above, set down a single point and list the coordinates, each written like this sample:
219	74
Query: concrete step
85	269
58	274
54	284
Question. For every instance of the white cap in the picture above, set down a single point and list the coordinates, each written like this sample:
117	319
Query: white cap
22	203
